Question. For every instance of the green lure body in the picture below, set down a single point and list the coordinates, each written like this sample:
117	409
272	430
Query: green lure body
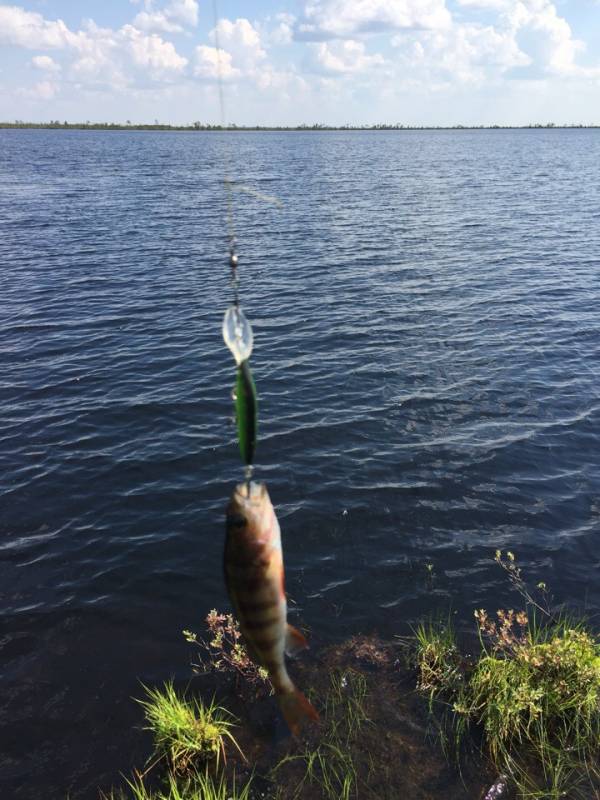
246	410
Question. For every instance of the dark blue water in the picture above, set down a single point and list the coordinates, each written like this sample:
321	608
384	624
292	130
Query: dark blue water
426	308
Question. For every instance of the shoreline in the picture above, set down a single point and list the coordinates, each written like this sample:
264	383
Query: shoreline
197	127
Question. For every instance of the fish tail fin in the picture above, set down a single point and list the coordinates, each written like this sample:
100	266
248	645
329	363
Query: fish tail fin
296	709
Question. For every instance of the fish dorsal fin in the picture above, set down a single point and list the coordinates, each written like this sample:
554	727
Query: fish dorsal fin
294	641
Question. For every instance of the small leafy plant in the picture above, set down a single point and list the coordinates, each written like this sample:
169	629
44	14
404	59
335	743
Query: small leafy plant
534	691
538	700
224	651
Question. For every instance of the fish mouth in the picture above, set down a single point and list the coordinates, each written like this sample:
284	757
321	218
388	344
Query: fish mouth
248	504
250	491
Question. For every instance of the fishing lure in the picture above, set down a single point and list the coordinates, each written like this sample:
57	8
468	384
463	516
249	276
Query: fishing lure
246	411
237	333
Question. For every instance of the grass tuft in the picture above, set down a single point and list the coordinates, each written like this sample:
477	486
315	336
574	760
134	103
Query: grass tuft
195	786
186	732
439	660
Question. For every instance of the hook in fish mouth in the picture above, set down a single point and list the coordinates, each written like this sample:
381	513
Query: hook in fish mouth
248	503
250	490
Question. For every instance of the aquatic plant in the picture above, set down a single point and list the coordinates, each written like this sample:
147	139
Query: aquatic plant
205	787
368	745
224	651
328	764
538	701
439	660
186	731
533	691
196	786
508	562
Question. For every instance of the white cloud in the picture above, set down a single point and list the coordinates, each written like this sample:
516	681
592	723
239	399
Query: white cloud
170	19
283	33
44	90
242	40
117	58
326	19
286	82
46	63
156	21
344	57
360	59
209	62
30	30
546	36
463	53
125	58
542	33
151	51
186	11
497	4
243	56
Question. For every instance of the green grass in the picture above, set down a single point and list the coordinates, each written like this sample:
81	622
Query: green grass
345	703
438	658
542	702
329	767
534	691
186	732
196	786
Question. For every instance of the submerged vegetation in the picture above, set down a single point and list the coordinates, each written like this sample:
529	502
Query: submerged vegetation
328	765
196	786
533	692
523	712
369	745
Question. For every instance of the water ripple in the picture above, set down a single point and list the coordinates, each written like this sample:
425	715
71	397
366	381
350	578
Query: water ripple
427	355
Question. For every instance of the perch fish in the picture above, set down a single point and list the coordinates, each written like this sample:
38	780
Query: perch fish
255	582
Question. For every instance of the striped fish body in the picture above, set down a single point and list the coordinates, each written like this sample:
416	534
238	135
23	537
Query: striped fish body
255	582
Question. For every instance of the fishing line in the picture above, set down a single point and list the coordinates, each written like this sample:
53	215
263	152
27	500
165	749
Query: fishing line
233	258
237	331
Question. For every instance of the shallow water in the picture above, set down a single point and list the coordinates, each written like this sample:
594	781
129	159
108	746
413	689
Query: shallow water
426	317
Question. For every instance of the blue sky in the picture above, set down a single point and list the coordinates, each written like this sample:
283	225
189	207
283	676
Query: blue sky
302	61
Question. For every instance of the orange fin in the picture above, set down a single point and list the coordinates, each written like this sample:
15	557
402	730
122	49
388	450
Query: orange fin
294	641
296	709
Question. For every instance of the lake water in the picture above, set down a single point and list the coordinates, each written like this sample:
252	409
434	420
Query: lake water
426	308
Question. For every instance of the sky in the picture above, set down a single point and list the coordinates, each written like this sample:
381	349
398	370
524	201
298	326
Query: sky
291	62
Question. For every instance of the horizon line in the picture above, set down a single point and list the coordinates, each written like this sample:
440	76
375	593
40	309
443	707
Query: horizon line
200	126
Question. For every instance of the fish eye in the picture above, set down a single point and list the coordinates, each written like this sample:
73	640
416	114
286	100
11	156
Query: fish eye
236	521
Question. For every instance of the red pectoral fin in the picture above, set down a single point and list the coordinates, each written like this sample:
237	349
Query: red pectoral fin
294	641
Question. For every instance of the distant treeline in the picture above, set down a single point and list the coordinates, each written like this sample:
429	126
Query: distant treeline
202	126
